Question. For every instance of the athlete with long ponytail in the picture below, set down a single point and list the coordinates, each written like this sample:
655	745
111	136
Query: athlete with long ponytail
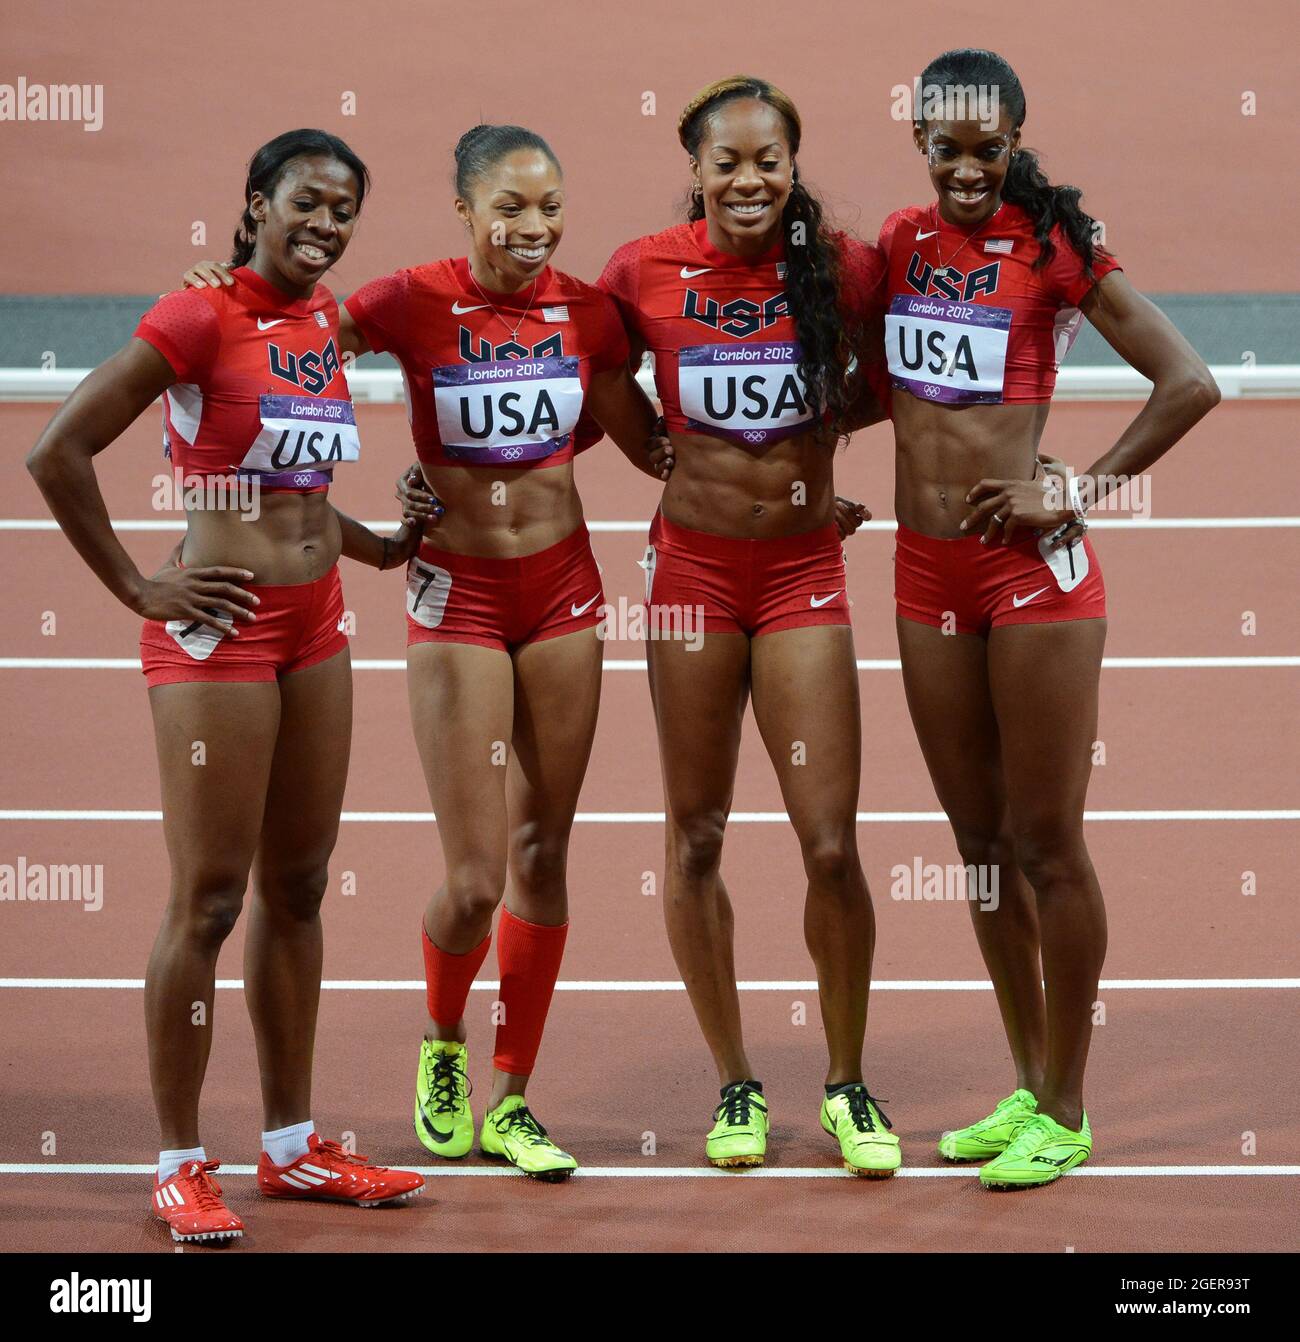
243	652
754	311
1001	605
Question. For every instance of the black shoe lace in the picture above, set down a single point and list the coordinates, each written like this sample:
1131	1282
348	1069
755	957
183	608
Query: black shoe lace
446	1083
736	1102
860	1102
524	1124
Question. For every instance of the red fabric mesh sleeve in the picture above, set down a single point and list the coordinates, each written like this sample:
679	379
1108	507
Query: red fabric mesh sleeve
380	310
611	348
1064	274
185	329
621	280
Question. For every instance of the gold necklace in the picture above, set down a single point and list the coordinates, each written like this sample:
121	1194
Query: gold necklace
513	333
942	268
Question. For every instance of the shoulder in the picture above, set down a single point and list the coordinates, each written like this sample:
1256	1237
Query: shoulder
198	307
908	217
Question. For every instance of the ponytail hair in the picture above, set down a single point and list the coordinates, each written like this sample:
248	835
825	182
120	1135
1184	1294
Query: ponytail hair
812	269
482	147
268	165
1026	184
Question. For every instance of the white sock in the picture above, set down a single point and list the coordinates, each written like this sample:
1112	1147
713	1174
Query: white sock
171	1161
285	1145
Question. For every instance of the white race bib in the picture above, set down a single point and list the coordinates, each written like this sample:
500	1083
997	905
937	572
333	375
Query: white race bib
1069	564
507	410
749	393
303	433
427	588
947	351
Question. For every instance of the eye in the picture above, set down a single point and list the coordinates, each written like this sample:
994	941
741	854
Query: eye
552	208
725	166
343	216
770	165
303	204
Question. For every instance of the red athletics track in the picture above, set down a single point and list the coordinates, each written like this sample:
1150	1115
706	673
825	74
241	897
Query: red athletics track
1179	1074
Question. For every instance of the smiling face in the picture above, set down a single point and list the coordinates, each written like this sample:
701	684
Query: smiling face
515	217
304	225
744	171
968	165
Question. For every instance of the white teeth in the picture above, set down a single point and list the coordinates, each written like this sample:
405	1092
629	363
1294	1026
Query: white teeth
528	253
748	209
310	252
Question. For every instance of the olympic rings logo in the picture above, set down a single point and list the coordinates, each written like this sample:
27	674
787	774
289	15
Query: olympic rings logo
302	478
755	435
932	391
512	453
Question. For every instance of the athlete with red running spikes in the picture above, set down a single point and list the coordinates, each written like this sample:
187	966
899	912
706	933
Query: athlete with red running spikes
1001	605
242	651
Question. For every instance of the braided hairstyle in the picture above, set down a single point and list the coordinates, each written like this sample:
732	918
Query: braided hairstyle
812	272
268	165
482	147
1026	184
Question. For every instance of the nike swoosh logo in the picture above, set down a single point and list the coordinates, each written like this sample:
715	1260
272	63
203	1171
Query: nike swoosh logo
578	610
921	237
266	326
817	602
1018	601
460	311
688	274
433	1132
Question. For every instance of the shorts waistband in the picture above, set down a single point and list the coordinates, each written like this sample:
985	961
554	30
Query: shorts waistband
737	547
574	543
937	545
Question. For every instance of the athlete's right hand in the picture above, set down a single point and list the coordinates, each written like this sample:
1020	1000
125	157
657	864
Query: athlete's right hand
207	274
196	595
418	504
659	449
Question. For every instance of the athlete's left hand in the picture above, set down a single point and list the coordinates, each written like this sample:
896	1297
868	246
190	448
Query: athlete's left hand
849	516
404	543
1004	505
659	449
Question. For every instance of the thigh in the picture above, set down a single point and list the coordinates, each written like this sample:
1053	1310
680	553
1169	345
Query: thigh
309	771
462	711
805	687
699	692
1044	680
557	697
946	680
215	743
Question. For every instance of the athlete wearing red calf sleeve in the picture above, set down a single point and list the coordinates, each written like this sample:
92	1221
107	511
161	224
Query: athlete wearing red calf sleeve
529	955
448	977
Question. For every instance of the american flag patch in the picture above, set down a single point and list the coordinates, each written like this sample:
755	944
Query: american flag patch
780	270
321	319
1000	245
556	314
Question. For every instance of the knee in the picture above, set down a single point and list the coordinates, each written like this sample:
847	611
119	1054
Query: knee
207	906
984	846
831	862
1052	857
538	860
473	891
696	844
293	892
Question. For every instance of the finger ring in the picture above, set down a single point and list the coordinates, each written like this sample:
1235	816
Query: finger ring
998	520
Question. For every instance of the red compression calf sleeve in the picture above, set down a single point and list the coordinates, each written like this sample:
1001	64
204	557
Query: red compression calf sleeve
447	978
529	955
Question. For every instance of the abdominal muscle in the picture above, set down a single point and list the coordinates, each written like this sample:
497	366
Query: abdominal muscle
503	512
293	538
727	490
942	452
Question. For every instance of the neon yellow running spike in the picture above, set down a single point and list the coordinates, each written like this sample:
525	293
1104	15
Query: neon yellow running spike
443	1121
511	1132
738	1138
1039	1153
854	1117
990	1136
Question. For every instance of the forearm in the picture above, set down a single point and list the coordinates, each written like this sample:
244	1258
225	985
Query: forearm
367	547
66	479
1171	411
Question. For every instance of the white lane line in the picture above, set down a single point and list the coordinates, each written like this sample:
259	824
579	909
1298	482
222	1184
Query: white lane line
639	664
675	985
445	1171
641	528
657	817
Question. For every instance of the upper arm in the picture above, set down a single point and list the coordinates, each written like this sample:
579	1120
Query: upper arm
378	313
352	339
108	401
1138	331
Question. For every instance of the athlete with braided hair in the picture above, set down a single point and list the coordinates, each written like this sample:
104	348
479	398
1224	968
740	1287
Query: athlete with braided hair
754	311
1001	605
